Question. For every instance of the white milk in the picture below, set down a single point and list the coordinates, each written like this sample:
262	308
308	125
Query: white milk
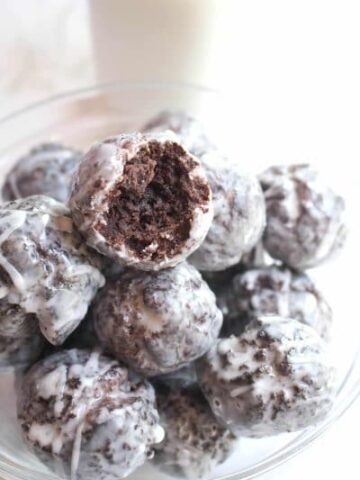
160	40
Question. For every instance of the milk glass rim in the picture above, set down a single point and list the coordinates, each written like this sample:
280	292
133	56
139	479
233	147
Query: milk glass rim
107	86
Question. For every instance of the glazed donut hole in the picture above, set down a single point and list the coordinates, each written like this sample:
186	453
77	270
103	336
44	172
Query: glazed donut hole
157	322
154	202
142	200
47	169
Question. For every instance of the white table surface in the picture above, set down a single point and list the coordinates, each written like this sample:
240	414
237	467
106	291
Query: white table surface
295	85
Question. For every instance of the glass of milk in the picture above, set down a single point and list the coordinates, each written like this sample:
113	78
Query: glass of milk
160	40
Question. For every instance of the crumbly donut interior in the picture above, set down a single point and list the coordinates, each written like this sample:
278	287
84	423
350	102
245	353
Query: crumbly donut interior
151	209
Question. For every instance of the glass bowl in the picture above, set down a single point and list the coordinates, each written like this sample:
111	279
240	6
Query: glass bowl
81	117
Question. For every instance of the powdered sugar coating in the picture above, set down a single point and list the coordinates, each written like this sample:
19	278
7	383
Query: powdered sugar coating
49	272
190	131
195	443
278	291
157	322
87	413
239	214
305	218
275	377
100	174
46	170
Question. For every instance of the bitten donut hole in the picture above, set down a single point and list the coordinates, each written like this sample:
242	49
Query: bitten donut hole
151	209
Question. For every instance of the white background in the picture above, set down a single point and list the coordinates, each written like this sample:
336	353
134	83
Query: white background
292	71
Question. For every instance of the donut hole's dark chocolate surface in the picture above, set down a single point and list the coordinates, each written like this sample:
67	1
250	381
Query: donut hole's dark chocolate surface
154	203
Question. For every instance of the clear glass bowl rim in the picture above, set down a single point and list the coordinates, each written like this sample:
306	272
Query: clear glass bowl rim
348	391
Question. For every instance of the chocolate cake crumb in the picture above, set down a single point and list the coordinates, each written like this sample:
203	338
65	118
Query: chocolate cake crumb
154	202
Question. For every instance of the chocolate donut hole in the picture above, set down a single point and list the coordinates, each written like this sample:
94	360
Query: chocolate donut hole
154	202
